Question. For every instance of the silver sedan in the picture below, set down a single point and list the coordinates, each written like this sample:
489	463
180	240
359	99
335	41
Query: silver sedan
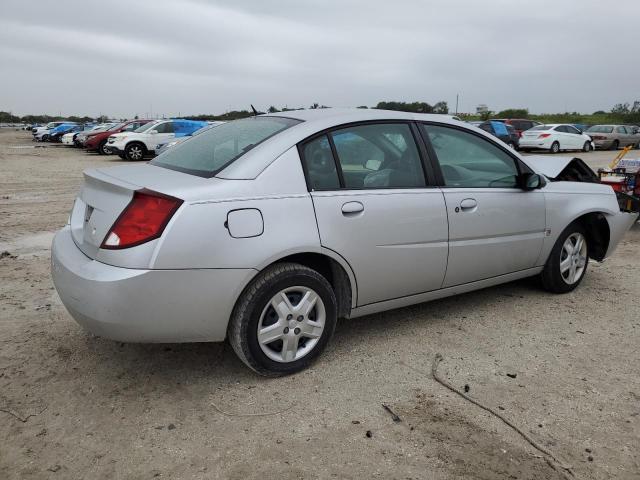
267	230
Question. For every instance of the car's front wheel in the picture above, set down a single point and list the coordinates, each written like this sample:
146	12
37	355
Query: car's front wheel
568	261
103	149
134	152
586	147
283	320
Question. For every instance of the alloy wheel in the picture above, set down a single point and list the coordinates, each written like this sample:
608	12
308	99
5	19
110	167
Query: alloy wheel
573	258
291	324
135	152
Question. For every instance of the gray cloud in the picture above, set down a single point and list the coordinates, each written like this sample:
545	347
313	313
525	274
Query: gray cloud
168	57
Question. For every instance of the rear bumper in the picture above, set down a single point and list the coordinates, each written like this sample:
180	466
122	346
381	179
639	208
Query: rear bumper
132	305
535	143
603	143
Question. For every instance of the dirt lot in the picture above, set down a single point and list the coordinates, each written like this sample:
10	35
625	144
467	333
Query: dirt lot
92	408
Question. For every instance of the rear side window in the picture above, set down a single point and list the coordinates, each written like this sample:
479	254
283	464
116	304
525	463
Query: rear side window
466	160
209	152
621	130
378	156
319	165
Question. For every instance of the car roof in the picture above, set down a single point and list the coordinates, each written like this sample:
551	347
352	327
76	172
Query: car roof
339	114
252	163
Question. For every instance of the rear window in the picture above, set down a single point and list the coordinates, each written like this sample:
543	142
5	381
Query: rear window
208	153
541	127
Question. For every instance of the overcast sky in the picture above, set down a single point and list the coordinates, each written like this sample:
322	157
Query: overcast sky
125	57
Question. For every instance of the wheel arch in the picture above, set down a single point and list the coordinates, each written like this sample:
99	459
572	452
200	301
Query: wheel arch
598	233
332	267
136	142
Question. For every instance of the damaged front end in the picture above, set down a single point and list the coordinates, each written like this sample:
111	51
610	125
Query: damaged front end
624	181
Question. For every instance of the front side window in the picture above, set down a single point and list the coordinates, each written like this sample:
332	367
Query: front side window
211	151
378	156
573	130
166	127
466	160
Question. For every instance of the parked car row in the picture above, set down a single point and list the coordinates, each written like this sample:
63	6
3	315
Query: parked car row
527	135
131	140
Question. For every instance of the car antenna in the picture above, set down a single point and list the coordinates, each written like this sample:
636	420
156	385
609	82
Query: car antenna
255	112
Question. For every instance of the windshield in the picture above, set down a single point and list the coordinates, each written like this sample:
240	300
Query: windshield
600	129
145	127
212	150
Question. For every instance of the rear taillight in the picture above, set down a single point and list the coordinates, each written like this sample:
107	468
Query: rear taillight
598	137
144	219
544	135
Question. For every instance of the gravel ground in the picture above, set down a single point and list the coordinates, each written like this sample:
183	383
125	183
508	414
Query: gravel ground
565	369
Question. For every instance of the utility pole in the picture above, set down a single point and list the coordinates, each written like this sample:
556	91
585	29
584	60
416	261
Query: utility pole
457	98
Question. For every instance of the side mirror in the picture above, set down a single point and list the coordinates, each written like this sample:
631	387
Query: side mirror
153	132
531	181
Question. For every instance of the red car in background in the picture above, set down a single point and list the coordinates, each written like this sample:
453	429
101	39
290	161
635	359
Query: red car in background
518	124
97	142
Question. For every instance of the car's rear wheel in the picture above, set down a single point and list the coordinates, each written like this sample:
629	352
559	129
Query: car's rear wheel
283	320
555	147
568	261
134	152
103	149
615	145
586	147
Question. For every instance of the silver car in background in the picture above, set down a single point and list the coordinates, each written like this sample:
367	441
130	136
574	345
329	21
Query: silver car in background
267	230
614	137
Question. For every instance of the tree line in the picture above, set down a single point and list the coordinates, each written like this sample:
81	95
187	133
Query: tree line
619	113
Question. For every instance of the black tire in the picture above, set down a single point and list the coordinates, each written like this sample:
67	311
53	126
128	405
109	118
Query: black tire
135	152
243	324
103	149
552	278
615	145
555	147
45	138
586	147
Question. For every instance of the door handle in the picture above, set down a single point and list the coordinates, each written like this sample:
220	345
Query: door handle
468	204
351	208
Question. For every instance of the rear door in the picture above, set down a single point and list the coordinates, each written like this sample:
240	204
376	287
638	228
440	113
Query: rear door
375	208
495	228
624	135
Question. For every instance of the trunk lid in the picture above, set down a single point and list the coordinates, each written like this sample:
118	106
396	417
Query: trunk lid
106	192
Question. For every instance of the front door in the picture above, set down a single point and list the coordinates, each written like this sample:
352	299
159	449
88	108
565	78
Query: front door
495	227
374	208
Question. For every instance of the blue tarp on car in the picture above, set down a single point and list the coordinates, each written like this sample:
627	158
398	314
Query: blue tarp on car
500	128
64	128
183	128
